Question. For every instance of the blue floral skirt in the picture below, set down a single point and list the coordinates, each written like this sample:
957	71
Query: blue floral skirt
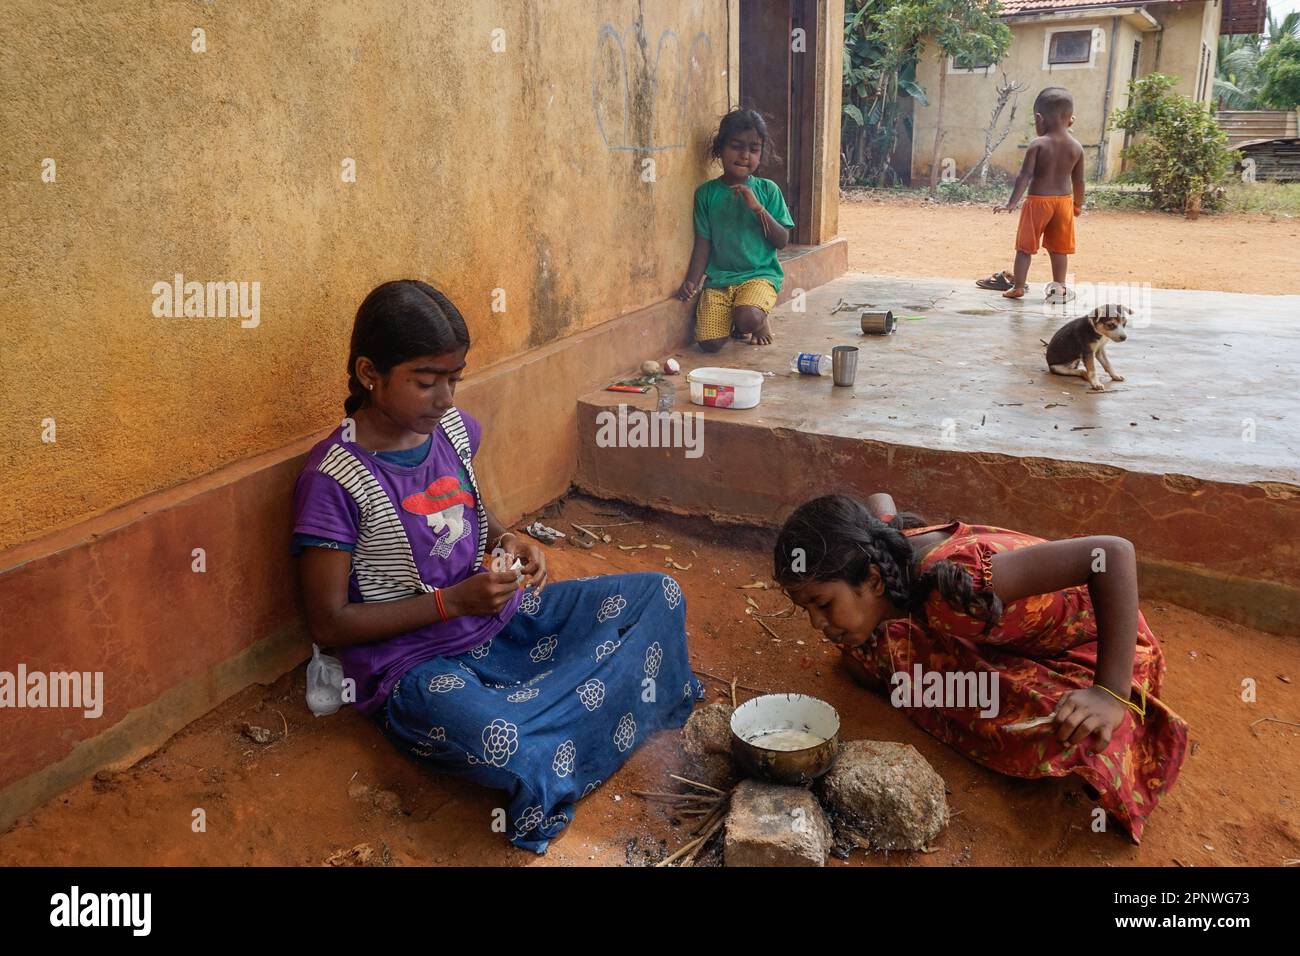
549	708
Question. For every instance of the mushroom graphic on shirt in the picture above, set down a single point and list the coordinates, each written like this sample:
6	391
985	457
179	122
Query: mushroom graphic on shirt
443	506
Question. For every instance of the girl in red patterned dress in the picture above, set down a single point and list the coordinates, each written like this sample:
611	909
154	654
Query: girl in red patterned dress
1054	623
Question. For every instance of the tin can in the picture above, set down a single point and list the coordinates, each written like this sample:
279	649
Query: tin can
878	322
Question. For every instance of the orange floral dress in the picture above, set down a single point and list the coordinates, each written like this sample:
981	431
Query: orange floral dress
1043	647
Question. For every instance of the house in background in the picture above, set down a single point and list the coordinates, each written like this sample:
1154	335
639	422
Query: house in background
1094	50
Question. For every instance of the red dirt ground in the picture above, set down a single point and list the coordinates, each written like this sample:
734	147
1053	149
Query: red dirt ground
1232	252
287	802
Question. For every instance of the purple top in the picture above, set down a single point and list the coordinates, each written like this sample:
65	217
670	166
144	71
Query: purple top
413	529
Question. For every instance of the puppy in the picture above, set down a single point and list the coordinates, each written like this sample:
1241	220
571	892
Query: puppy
1083	343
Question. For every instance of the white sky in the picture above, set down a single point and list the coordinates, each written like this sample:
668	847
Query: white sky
1281	8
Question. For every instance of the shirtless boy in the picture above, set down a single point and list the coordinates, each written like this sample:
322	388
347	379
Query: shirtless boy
1053	172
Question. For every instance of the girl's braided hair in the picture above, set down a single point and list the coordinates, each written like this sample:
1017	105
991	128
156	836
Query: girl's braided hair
399	321
836	538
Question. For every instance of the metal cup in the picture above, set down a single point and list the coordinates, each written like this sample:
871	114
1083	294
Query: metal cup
844	364
877	323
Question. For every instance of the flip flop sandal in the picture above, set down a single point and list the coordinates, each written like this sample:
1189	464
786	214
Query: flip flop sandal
1058	295
543	534
998	282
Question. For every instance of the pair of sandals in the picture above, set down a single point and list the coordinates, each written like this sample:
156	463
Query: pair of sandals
1057	294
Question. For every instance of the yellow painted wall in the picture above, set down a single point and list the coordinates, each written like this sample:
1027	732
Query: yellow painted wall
1186	27
970	97
475	170
1126	34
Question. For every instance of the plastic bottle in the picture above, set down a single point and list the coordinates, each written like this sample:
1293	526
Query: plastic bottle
324	683
811	363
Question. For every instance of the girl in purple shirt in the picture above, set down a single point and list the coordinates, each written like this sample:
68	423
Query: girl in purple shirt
544	697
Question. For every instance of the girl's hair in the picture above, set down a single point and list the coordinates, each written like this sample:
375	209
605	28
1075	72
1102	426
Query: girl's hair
399	321
841	540
738	121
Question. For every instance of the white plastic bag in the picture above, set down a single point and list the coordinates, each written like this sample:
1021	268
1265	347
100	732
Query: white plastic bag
324	683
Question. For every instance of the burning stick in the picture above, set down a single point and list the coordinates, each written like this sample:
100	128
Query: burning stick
682	852
694	844
704	839
719	811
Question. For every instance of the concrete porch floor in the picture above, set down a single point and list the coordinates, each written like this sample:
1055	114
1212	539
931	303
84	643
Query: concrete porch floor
1196	366
1195	456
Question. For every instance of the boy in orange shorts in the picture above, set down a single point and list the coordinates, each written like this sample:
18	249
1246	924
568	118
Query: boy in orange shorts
1053	172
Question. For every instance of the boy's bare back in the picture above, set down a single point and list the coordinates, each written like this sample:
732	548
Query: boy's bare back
1056	157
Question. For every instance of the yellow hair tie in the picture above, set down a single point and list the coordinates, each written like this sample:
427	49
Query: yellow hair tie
1140	711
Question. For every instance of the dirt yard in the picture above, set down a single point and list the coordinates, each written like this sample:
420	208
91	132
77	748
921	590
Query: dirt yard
1228	253
286	802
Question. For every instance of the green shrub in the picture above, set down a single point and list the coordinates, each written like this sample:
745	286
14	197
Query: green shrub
1179	150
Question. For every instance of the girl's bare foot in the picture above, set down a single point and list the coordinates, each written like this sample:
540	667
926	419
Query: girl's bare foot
763	334
737	334
1015	292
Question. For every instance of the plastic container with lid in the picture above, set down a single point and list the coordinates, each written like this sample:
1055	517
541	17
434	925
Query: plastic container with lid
725	387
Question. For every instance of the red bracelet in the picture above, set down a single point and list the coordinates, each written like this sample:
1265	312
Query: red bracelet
437	597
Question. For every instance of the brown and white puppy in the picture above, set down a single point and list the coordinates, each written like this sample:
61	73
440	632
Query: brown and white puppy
1082	342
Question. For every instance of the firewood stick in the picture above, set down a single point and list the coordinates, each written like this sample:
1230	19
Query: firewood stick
719	812
675	797
681	852
702	786
723	680
686	849
708	835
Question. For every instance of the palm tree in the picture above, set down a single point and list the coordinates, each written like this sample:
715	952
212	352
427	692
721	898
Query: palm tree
1288	27
1237	81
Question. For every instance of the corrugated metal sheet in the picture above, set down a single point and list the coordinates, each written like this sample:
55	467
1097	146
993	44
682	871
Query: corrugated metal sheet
1245	125
1275	159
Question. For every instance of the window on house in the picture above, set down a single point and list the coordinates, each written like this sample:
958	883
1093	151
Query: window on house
969	63
1070	46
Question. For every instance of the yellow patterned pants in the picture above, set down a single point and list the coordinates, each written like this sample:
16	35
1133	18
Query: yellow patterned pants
713	313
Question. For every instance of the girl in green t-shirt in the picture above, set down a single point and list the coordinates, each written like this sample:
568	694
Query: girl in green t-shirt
740	222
